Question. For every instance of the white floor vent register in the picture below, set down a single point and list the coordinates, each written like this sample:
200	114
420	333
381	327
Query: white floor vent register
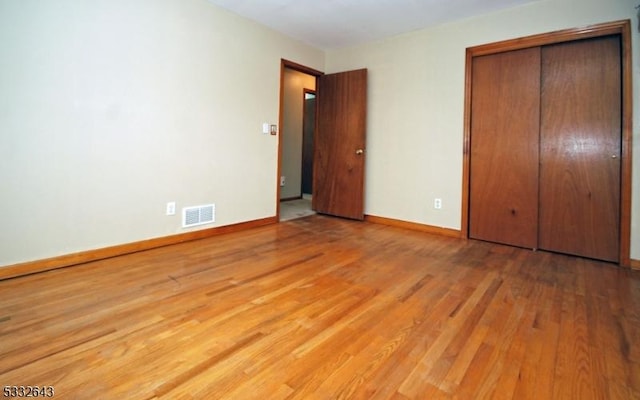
198	215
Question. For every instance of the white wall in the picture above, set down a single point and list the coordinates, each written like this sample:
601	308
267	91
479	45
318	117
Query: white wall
416	105
111	108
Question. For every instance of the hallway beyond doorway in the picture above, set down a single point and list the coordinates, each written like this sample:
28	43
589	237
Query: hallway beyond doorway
298	208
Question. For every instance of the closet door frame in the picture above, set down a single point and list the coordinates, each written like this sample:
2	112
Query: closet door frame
622	28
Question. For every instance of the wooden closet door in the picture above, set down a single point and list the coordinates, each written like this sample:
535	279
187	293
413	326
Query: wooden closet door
580	148
505	116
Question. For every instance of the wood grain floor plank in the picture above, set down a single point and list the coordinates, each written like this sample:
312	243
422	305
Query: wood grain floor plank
325	308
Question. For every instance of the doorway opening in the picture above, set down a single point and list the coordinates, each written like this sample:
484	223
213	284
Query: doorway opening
338	140
298	122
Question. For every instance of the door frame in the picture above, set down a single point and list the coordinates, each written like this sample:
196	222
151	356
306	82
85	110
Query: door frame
286	64
622	28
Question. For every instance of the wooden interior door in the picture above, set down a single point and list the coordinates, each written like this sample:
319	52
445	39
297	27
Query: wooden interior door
580	148
503	193
338	174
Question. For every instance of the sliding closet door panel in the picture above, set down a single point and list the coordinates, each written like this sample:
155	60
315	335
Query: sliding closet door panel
503	193
580	148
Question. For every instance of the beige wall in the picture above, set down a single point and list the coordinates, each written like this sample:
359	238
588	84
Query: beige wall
416	105
111	108
293	102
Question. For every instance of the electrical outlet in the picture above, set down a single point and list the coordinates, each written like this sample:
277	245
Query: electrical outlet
282	181
437	204
171	208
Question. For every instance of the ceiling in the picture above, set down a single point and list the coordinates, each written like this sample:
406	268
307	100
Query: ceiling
329	24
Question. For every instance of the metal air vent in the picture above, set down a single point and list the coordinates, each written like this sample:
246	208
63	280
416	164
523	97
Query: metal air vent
198	215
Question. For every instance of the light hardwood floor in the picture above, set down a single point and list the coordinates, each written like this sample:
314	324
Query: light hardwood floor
324	308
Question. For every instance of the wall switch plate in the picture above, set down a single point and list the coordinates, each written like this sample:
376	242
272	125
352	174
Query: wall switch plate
282	179
274	129
171	208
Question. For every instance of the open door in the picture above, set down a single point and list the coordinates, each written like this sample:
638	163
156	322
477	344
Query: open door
338	175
